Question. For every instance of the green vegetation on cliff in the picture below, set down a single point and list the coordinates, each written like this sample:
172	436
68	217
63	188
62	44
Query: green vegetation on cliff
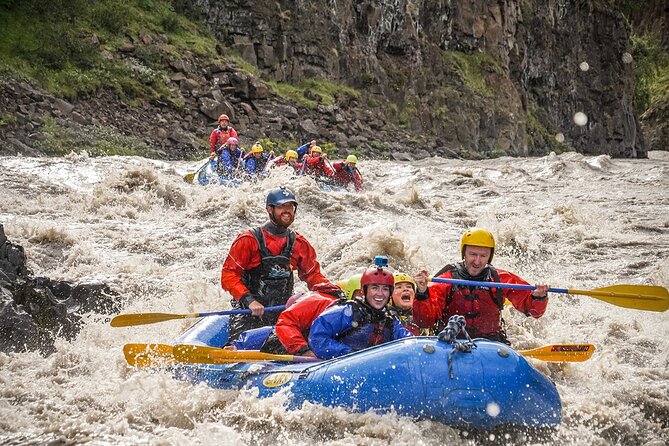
652	73
68	46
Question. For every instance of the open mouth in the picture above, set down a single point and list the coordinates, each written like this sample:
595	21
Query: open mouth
405	297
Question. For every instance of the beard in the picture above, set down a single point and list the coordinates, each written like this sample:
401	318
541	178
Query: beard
283	219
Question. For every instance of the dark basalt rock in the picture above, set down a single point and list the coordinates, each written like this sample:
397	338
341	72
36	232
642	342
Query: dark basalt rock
34	311
474	79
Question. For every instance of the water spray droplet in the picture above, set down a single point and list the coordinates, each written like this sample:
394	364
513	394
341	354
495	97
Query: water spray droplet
627	57
584	66
559	137
580	119
492	409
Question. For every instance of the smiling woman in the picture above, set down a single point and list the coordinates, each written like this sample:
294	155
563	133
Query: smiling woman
353	325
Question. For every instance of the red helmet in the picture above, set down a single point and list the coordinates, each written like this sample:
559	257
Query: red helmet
376	275
232	140
222	117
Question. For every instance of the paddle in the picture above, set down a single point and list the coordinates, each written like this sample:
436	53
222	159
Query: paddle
637	297
561	352
188	178
158	355
211	355
127	320
148	355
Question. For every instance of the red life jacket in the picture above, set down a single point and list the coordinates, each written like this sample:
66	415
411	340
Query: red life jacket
222	135
481	307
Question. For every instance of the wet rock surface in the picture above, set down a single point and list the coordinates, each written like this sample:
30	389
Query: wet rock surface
34	311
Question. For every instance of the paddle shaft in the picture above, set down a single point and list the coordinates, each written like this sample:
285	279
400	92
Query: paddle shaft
520	286
241	311
513	286
637	297
127	320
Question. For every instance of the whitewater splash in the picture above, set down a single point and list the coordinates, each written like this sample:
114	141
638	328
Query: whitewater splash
568	220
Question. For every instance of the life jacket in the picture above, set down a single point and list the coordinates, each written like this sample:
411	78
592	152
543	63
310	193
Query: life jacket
405	317
222	135
481	307
228	160
370	326
258	163
272	281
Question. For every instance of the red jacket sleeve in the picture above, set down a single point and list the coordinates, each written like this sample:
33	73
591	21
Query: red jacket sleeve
243	256
212	141
522	299
427	312
294	323
233	133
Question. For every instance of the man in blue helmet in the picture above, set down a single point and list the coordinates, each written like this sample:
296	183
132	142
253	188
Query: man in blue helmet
258	271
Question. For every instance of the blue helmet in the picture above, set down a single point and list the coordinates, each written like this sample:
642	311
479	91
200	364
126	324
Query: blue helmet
277	197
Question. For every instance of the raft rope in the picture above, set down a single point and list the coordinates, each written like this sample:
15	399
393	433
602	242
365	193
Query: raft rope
456	325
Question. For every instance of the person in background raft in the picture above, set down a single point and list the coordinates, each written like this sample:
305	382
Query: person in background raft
257	159
315	165
346	172
258	270
304	149
220	135
481	307
229	158
363	322
400	306
289	159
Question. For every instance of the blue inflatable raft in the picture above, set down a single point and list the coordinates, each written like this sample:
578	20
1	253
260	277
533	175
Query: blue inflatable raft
422	377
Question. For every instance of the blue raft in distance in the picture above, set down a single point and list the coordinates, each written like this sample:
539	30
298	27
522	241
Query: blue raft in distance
419	377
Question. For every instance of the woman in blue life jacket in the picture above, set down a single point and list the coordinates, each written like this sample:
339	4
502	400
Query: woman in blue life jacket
363	322
229	158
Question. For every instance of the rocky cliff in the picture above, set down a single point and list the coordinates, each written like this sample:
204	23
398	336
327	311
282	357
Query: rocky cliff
454	78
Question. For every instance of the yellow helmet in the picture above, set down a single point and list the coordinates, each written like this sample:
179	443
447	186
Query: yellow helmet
290	154
478	237
257	148
315	149
352	285
402	277
352	159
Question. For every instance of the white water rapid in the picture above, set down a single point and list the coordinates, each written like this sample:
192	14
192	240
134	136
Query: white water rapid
569	220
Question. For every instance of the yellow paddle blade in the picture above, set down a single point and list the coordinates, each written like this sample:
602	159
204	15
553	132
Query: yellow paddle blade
638	297
148	355
561	352
188	178
127	320
211	355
